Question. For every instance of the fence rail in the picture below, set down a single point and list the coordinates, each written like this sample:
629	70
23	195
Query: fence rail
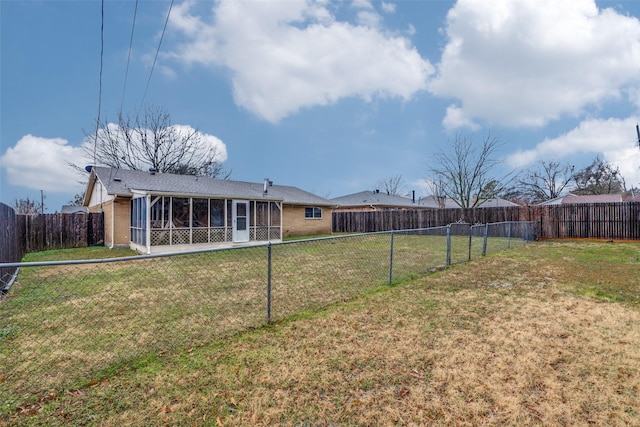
65	322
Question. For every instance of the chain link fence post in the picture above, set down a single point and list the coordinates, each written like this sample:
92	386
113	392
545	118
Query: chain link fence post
484	243
470	240
391	259
448	259
269	283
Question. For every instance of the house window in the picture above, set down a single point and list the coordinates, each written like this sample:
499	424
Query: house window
313	213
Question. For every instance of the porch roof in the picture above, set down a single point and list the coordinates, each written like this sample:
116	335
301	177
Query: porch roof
122	182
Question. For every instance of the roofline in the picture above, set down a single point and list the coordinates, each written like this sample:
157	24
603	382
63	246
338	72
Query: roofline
200	195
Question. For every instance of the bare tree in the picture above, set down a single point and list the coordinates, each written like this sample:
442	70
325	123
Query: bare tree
467	173
77	200
436	190
600	177
27	206
546	181
151	141
391	185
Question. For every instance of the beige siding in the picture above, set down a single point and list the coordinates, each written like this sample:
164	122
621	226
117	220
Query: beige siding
108	215
295	224
122	221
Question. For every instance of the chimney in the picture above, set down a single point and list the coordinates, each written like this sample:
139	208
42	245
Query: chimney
267	183
152	171
413	196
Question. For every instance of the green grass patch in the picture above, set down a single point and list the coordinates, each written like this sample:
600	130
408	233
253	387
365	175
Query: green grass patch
180	340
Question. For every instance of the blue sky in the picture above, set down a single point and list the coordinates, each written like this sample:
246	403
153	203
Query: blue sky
327	96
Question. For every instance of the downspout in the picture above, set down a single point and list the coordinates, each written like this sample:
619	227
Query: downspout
281	216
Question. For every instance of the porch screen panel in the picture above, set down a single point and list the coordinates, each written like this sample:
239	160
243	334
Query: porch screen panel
200	212
262	213
217	213
200	220
275	231
139	221
180	212
275	215
160	220
160	213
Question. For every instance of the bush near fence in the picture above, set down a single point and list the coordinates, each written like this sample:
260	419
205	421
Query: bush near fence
616	221
66	324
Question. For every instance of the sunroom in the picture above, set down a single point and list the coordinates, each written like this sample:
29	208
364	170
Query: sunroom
167	222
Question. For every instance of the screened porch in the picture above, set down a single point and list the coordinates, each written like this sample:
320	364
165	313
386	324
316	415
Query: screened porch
161	220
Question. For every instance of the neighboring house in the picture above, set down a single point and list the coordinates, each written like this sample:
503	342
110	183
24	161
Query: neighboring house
447	203
496	202
157	212
374	201
436	202
72	209
576	198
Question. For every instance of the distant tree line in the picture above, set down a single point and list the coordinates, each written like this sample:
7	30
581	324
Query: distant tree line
467	174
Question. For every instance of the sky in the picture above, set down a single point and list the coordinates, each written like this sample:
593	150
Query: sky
327	96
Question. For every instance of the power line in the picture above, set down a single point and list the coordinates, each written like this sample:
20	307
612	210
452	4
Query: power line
95	141
126	73
156	57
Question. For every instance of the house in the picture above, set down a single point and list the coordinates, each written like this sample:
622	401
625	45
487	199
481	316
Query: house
571	198
496	202
158	212
72	209
375	200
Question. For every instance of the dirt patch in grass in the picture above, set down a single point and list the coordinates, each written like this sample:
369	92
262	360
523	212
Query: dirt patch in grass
508	340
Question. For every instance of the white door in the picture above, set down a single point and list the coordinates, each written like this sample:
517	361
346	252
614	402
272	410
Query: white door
240	213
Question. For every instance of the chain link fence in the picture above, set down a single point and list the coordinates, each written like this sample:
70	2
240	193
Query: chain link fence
66	325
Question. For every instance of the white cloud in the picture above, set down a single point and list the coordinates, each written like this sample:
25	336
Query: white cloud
207	142
285	56
613	139
41	164
528	62
388	7
455	118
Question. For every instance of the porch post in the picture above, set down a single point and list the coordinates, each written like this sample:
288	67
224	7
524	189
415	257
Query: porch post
147	221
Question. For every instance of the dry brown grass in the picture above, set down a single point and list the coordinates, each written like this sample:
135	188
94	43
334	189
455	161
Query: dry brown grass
518	338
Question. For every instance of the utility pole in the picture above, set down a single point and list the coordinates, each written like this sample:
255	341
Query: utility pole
42	201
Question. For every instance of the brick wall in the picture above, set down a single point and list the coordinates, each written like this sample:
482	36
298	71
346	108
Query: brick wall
295	224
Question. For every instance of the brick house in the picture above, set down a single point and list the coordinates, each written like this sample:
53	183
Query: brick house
158	212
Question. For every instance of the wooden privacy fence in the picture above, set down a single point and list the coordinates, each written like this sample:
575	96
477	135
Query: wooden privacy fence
11	250
619	221
32	233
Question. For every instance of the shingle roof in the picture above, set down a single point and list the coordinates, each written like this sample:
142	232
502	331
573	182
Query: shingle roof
123	182
597	198
496	203
575	199
377	199
371	198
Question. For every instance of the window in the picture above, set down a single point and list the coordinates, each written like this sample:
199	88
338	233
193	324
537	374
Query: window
313	213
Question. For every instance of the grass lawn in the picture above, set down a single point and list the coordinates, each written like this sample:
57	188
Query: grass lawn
546	333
